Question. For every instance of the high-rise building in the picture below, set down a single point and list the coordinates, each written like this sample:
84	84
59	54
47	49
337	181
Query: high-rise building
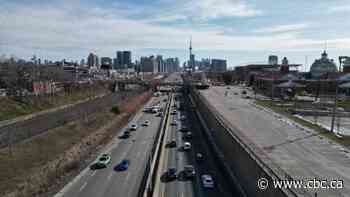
160	63
273	59
149	64
106	63
218	65
93	60
123	59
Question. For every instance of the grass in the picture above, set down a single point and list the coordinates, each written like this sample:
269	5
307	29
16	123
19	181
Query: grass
32	154
37	164
10	108
345	141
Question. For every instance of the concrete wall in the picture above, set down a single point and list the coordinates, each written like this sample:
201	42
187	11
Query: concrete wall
23	129
241	158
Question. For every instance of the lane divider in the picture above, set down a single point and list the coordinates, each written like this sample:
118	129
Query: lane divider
149	178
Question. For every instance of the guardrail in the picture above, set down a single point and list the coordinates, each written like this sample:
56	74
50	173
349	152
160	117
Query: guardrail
273	171
148	179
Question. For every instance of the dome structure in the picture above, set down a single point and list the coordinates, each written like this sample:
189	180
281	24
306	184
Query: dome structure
323	66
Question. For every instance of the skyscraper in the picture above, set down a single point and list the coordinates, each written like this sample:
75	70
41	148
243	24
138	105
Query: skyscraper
123	59
93	60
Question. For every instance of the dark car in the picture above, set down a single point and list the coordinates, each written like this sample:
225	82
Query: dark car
244	92
171	174
171	144
189	172
122	166
183	128
125	135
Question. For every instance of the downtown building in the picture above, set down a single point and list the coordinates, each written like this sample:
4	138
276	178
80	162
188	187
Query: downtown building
93	61
123	60
149	64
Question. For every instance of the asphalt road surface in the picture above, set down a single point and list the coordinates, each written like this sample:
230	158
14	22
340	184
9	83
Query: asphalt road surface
109	183
177	158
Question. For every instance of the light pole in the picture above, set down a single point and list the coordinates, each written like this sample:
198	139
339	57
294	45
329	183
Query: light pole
335	106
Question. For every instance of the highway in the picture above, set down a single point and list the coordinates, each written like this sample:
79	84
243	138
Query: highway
177	158
109	183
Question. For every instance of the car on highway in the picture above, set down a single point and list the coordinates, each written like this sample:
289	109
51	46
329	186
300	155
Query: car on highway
173	123
187	146
133	127
189	172
171	143
170	174
125	135
188	135
207	181
122	166
103	161
174	112
199	157
183	128
183	118
146	123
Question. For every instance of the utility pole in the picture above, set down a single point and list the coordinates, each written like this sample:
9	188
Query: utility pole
335	106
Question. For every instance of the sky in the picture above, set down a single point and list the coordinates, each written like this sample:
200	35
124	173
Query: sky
241	31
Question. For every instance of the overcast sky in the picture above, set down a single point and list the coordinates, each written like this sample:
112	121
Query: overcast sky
237	30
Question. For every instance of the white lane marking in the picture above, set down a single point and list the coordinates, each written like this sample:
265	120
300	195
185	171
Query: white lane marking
93	173
83	186
127	177
108	148
109	177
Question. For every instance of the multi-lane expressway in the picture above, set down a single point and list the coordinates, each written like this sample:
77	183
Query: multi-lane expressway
177	158
109	183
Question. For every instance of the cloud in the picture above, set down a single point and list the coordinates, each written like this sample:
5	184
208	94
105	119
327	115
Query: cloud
208	9
76	29
340	8
283	28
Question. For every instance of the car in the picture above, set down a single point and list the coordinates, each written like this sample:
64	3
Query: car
235	93
199	157
207	181
189	171
125	135
103	161
170	174
187	146
183	118
244	92
228	88
133	127
188	135
122	166
147	109
171	143
146	123
174	112
248	97
160	114
174	123
183	128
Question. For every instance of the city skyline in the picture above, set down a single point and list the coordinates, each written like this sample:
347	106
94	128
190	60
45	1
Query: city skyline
239	31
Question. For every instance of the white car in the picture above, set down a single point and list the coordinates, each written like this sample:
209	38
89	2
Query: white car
146	123
133	127
207	181
187	146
